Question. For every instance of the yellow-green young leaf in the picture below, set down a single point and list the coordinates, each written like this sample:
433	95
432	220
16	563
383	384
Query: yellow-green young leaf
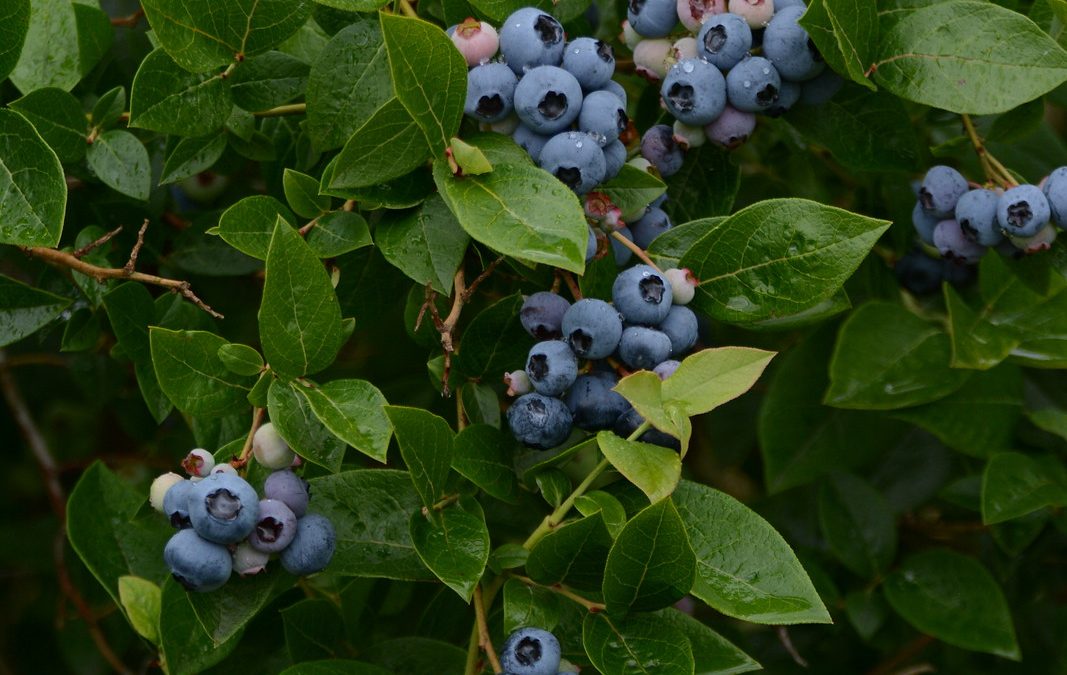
955	599
469	158
193	377
119	159
425	442
711	377
25	309
59	118
14	22
168	99
141	599
644	390
653	469
389	145
299	318
32	179
354	411
1015	484
49	55
454	544
615	645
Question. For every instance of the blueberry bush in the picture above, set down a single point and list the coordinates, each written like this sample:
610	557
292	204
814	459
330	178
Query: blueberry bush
467	336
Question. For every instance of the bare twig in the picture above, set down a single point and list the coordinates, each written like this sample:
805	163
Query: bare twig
93	245
480	278
483	630
787	643
131	264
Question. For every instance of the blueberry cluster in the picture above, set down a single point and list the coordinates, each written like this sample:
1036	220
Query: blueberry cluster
963	223
711	81
533	651
223	525
647	327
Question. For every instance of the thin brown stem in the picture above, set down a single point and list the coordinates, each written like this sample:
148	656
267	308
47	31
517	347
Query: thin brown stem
42	359
994	170
576	291
637	250
93	245
484	641
565	592
131	264
787	644
246	450
467	294
129	21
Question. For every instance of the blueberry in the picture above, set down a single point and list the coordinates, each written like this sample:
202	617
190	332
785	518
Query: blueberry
654	223
959	274
724	40
548	99
311	548
822	88
539	421
652	18
666	368
160	487
176	503
197	564
531	38
476	40
940	190
530	141
780	5
694	91
681	327
752	85
592	402
490	92
953	244
788	96
270	449
613	87
756	12
1055	191
198	463
1022	211
924	223
643	348
247	561
976	212
790	49
288	488
694	13
223	508
542	314
530	651
631	419
732	128
642	295
614	158
603	117
591	61
659	147
919	273
590	246
620	251
575	158
275	526
551	367
592	328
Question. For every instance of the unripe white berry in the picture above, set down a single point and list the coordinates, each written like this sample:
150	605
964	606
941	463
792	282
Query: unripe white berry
518	383
198	463
683	285
159	489
270	449
756	13
247	561
224	468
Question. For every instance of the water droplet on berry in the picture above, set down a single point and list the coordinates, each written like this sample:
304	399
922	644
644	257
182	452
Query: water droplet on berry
748	84
687	67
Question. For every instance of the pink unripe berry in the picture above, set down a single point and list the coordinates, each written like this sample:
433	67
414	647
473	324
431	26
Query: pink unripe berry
198	463
518	383
1042	241
685	48
692	13
683	285
476	40
757	13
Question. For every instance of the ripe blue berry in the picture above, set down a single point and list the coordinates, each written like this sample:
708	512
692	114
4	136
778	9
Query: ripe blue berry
654	223
694	91
752	85
724	40
788	96
176	504
197	564
591	61
548	99
590	246
924	223
820	89
643	348
919	273
592	328
539	421
659	147
223	508
614	158
551	367
288	488
603	117
542	315
1055	191
789	47
631	419
530	651
732	128
642	295
575	158
681	327
312	548
592	402
652	18
531	38
1022	211
530	141
275	527
953	244
620	251
490	92
614	87
666	368
941	189
976	212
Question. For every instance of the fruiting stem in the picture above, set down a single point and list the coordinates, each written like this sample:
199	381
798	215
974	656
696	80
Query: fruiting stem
246	450
407	10
283	110
576	291
637	250
484	641
565	592
994	170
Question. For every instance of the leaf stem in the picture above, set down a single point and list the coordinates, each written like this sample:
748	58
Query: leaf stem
484	641
564	591
473	666
283	110
407	10
637	250
994	170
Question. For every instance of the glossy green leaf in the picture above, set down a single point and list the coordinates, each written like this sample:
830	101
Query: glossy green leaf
554	485
193	377
249	224
49	55
526	605
299	318
495	341
334	667
32	178
291	413
191	156
520	211
846	34
454	544
632	190
469	158
427	244
370	509
425	442
713	654
778	257
121	162
858	524
388	145
268	80
109	107
667	249
185	649
1015	484
95	35
14	22
482	455
337	233
302	193
353	410
705	186
654	469
610	509
968	57
314	629
651	565
574	554
223	613
955	599
240	359
976	343
480	404
140	600
711	377
200	34
25	309
745	569
636	644
131	311
169	99
429	76
59	118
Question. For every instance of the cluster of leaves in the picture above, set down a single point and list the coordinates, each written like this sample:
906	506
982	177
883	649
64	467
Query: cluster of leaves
899	470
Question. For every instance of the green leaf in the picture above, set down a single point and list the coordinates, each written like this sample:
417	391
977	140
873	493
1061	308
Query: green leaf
745	569
223	613
240	359
190	156
403	193
335	667
25	309
95	35
714	654
526	605
495	341
291	414
607	506
426	244
168	99
429	75
655	470
337	233
248	225
388	145
121	162
574	554
846	33
454	544
482	455
268	80
966	56
976	343
711	377
705	186
953	598
887	358
32	178
49	55
131	311
141	600
302	193
299	318
348	83
201	34
185	649
858	525
632	190
553	484
480	403
520	211
370	509
644	390
667	249
636	644
418	655
469	158
1015	484
193	377
651	565
353	410
314	629
109	107
14	22
59	118
778	257
425	442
